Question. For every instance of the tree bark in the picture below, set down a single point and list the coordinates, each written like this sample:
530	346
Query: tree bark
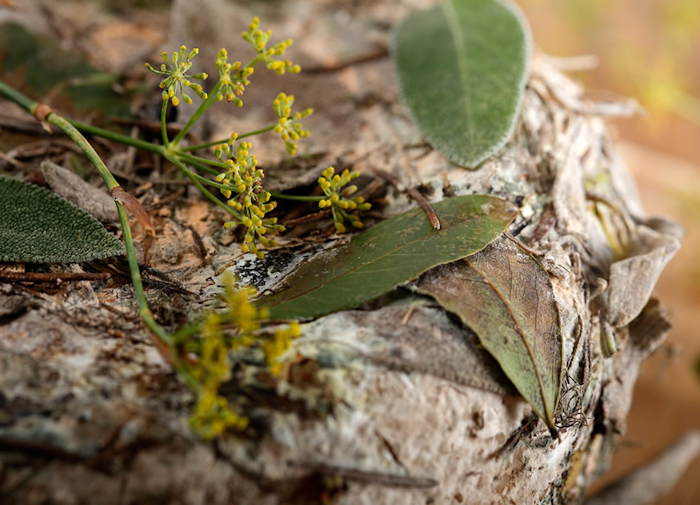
395	403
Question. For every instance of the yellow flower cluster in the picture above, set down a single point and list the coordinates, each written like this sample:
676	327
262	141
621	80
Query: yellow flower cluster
250	202
211	414
278	345
259	40
175	69
333	186
232	78
288	126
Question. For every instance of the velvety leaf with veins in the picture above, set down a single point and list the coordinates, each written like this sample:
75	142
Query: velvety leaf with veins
41	227
389	254
505	296
462	68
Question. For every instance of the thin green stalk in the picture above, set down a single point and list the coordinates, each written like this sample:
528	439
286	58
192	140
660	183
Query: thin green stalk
12	94
202	167
213	97
193	177
144	145
163	124
70	130
214	183
190	157
223	141
83	144
118	137
297	198
253	61
144	311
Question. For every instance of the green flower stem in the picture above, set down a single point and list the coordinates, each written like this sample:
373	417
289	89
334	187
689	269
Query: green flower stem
118	137
70	130
147	146
213	97
190	157
83	144
297	198
12	94
144	311
252	62
214	183
163	124
223	141
202	167
193	177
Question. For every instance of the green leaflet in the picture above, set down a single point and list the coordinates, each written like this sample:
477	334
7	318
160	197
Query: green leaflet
41	227
388	254
505	296
462	68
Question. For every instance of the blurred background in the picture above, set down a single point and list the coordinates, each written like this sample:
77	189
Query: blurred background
650	50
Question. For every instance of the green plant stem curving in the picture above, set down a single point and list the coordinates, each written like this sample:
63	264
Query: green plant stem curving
70	130
144	311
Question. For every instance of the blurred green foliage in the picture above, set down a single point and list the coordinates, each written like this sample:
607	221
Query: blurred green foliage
43	67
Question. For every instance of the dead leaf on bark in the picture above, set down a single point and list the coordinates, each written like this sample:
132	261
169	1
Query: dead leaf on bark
83	194
632	279
505	296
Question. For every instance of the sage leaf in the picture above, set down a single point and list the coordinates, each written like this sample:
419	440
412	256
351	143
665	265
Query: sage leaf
389	254
39	226
505	296
462	69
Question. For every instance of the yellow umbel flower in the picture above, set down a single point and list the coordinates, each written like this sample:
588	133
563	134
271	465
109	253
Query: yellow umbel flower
333	186
175	69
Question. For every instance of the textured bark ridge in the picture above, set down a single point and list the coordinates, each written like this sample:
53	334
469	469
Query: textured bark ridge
396	403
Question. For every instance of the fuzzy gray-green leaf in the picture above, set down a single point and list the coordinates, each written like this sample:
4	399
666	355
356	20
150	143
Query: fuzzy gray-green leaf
505	296
389	254
462	68
41	227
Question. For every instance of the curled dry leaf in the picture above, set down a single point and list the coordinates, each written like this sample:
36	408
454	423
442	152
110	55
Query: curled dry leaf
505	296
83	194
632	279
134	206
